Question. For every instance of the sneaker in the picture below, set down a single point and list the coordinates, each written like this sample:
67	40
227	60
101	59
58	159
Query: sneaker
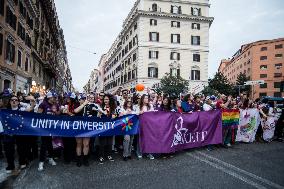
40	166
139	156
228	145
51	161
110	158
23	166
151	157
101	160
125	158
9	170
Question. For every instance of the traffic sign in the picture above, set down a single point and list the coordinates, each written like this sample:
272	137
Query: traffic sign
257	82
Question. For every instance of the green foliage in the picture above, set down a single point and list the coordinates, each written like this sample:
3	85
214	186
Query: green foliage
172	85
221	84
209	91
241	79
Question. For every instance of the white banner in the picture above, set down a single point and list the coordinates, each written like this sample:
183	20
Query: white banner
249	122
268	127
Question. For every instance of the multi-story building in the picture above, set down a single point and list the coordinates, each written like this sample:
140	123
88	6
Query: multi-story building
160	37
260	60
32	47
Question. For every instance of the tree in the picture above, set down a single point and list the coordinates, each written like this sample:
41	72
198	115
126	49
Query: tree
221	84
207	91
172	85
241	79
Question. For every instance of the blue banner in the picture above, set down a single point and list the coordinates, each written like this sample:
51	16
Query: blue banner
26	123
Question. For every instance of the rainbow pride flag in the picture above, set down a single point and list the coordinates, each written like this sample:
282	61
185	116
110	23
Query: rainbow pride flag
230	118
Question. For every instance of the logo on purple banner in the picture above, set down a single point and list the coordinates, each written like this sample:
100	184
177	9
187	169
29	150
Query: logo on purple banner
166	132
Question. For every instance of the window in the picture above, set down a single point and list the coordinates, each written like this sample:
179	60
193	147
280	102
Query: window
263	86
263	75
280	46
154	7
278	55
134	57
175	72
1	43
176	9
11	19
195	26
130	45
2	7
10	51
153	54
277	94
195	11
262	94
175	24
30	21
278	66
277	84
153	72
277	74
196	57
133	74
175	38
195	74
175	56
19	59
7	84
263	58
129	75
195	40
21	31
27	64
154	36
153	22
22	9
263	49
135	26
263	67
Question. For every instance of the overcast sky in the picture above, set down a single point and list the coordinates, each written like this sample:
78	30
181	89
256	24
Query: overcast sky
92	26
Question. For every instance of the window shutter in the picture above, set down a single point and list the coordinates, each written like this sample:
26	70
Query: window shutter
172	54
171	72
150	22
199	12
150	36
156	73
191	10
198	26
192	74
198	40
178	72
157	54
149	72
172	9
178	56
191	40
171	38
150	54
178	38
178	24
157	36
172	23
192	26
155	21
179	9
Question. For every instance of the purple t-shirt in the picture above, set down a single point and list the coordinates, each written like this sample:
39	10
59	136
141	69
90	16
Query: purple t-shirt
47	107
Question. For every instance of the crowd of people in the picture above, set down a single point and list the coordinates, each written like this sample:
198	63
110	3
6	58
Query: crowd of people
78	149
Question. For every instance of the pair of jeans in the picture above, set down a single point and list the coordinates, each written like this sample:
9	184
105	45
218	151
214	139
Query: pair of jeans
105	145
45	146
127	145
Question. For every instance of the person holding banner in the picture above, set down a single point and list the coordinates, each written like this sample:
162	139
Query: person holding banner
48	106
87	108
20	141
187	104
144	106
108	109
128	139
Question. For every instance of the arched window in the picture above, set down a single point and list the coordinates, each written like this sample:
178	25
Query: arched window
7	84
153	70
195	73
154	7
175	69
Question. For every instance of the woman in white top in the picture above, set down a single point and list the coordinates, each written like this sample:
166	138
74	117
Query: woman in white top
144	106
128	139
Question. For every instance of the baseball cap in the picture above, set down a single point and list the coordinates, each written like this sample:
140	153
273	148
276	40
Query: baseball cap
82	96
50	94
71	95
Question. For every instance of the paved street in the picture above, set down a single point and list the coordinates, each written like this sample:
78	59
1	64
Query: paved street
255	165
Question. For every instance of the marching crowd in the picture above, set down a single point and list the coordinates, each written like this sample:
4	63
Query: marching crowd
48	148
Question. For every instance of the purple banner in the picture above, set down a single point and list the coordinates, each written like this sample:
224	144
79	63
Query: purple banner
166	132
